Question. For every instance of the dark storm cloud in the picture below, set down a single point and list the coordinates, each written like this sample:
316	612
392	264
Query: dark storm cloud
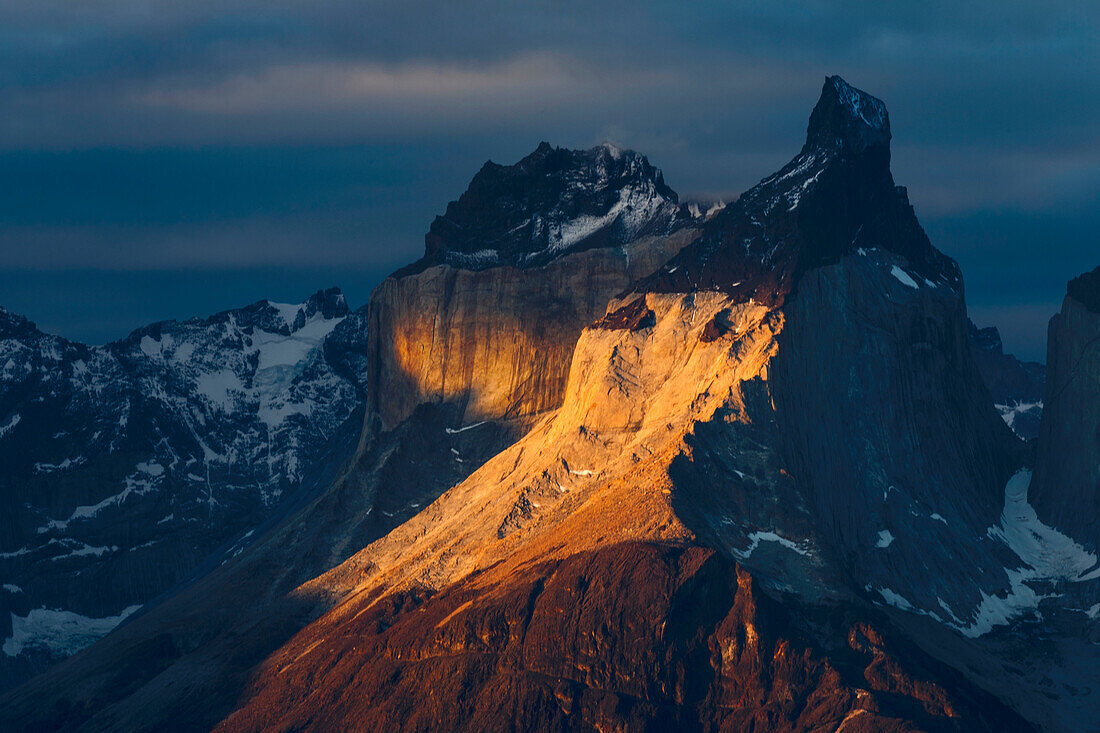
146	136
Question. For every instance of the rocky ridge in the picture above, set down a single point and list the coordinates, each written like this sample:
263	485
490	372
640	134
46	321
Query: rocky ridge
552	202
126	465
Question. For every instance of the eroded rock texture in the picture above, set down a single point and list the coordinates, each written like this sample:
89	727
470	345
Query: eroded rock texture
494	342
635	636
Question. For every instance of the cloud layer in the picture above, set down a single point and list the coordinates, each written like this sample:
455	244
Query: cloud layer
152	135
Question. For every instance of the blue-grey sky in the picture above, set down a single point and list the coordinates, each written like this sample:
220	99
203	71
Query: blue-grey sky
161	159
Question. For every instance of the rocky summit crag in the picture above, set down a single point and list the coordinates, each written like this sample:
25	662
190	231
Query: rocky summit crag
732	472
552	202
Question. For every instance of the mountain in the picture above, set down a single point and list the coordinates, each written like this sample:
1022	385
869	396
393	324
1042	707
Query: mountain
1067	470
762	485
518	265
780	395
554	201
1016	386
126	465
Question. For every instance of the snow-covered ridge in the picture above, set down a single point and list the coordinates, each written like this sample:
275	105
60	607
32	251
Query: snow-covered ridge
160	446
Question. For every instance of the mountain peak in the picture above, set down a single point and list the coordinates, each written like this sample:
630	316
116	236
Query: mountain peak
846	118
836	197
1085	289
329	303
13	325
552	202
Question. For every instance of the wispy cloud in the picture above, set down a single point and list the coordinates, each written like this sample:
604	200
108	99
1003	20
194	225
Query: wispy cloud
994	105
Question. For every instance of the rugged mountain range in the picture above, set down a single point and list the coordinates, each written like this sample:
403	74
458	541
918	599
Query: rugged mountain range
1016	386
127	465
738	471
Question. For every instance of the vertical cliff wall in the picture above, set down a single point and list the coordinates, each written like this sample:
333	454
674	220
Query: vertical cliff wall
1066	486
495	342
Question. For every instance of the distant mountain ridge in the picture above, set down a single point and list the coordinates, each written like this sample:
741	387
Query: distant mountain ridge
1016	386
127	464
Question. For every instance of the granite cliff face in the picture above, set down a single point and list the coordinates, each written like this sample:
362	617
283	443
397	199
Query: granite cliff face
126	465
770	491
1067	471
517	266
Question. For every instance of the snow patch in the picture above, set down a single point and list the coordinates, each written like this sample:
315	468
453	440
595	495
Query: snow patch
218	387
755	538
62	633
150	347
10	425
455	431
903	277
65	465
895	599
287	311
1009	413
1048	555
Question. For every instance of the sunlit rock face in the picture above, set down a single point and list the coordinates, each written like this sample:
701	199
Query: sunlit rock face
126	465
513	271
1067	472
633	636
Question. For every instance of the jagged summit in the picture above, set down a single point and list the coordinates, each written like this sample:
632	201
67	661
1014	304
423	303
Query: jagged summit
1085	289
836	197
847	118
13	325
551	202
265	315
328	303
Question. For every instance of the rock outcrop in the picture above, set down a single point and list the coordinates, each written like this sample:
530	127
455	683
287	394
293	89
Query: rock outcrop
494	342
552	202
1067	471
518	265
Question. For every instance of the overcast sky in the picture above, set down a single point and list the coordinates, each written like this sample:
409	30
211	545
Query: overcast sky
162	159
